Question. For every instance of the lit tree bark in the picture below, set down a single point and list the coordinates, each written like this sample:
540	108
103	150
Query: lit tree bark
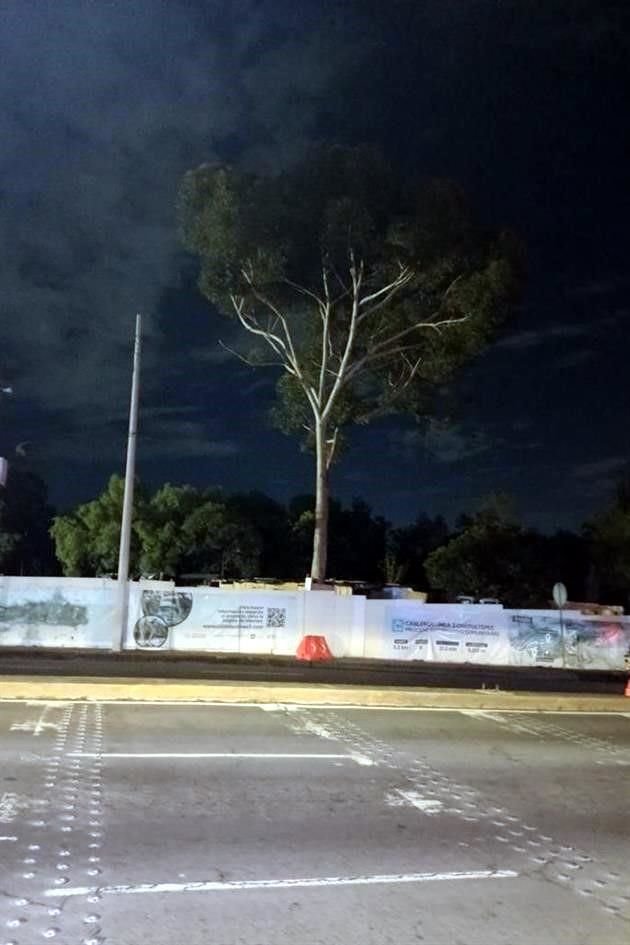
345	354
322	496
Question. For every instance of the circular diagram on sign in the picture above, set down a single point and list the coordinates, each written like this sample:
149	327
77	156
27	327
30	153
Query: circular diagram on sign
172	606
150	632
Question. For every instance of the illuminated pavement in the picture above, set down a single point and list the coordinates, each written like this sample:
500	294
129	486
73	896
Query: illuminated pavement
262	825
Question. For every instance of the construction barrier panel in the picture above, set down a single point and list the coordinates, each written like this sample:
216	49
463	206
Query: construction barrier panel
85	613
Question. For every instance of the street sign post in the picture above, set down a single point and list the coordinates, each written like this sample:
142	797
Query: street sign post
559	595
560	599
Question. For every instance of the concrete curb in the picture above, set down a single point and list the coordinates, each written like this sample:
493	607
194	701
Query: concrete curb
68	688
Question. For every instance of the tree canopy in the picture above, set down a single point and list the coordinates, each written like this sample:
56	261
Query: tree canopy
608	534
493	555
182	530
87	540
365	291
179	529
25	517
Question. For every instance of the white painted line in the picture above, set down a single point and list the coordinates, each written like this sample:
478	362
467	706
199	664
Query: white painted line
279	707
10	806
387	879
427	805
37	727
338	707
231	755
59	703
490	713
10	839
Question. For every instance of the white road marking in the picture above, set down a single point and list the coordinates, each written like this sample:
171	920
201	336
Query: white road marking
289	707
279	707
38	726
59	703
386	879
428	805
10	839
35	727
10	806
298	721
232	755
496	716
314	728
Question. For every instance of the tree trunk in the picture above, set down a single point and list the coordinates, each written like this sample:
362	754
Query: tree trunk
320	535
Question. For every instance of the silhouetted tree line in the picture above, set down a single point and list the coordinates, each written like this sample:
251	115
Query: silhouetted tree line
180	531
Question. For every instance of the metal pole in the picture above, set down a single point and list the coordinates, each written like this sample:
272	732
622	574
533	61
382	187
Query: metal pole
127	513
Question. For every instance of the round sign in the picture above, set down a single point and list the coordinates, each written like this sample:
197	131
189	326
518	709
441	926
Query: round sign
559	595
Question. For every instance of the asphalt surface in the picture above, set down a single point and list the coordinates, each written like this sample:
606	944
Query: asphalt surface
358	672
263	825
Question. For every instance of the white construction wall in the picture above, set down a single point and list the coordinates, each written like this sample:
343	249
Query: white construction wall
83	613
57	612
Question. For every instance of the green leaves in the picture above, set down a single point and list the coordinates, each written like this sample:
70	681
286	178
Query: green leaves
177	530
494	556
87	541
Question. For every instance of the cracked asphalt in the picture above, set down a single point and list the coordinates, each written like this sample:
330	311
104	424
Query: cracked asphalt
123	824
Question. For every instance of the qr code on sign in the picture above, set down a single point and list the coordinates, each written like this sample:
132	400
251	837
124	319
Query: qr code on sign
276	617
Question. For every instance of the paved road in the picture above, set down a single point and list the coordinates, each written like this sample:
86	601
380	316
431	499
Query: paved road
213	825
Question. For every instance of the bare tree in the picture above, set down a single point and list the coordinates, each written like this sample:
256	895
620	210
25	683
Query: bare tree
354	336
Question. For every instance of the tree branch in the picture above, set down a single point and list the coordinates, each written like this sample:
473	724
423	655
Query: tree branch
332	445
250	323
357	279
385	293
248	361
303	290
386	299
398	389
326	341
276	311
389	347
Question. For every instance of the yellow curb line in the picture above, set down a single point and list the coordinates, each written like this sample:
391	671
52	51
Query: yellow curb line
70	688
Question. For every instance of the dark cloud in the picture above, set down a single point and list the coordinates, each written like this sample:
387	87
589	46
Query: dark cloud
563	331
103	106
442	441
598	288
574	359
598	478
534	337
605	467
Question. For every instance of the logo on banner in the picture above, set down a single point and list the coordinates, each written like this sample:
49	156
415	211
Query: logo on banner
405	625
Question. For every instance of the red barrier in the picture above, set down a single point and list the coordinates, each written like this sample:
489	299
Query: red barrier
314	649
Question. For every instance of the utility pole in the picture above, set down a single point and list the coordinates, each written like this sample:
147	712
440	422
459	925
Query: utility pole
127	514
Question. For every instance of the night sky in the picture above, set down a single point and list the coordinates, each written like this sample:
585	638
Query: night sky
104	104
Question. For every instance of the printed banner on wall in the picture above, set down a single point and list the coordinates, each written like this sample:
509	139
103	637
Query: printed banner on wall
596	642
69	612
213	620
56	613
445	633
152	613
545	638
535	638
